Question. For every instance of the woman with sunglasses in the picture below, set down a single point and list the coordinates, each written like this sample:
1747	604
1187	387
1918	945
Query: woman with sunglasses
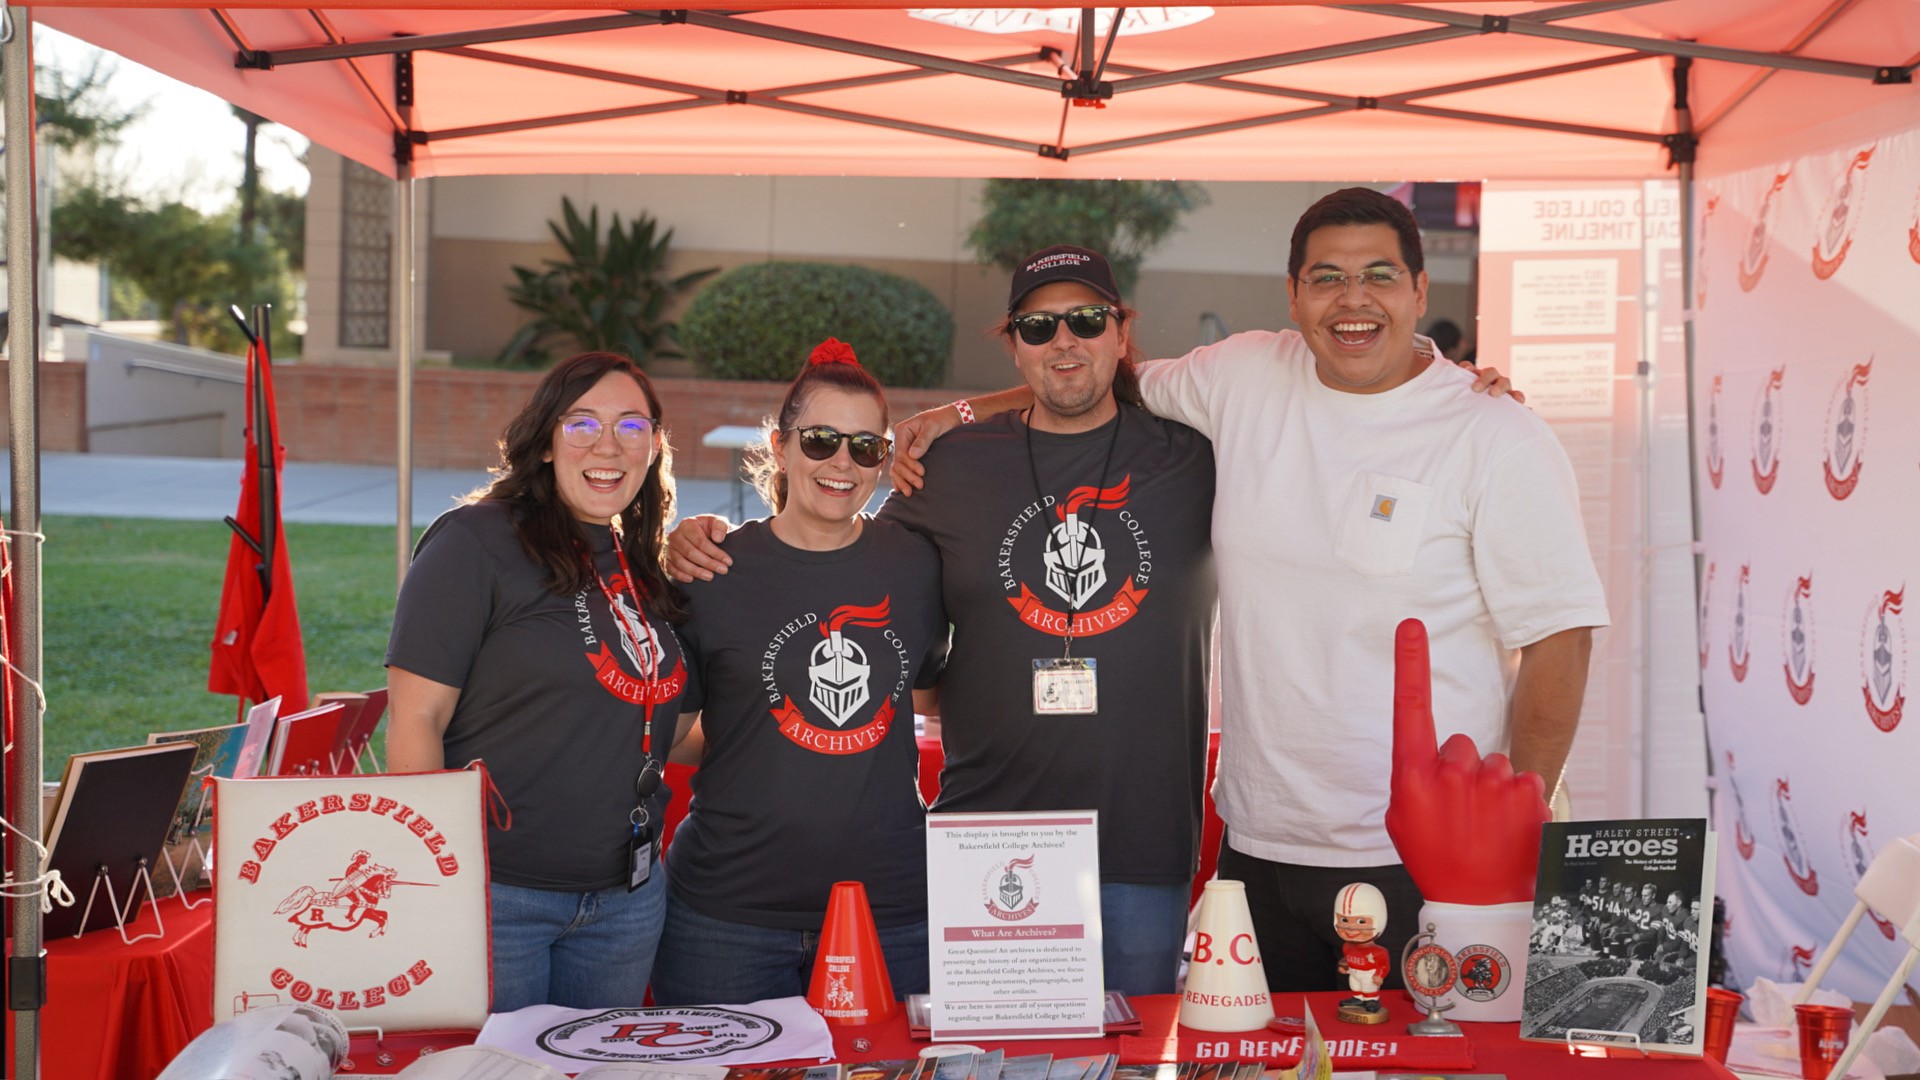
534	631
808	655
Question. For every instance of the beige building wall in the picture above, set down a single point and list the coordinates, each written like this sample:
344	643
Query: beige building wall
1224	271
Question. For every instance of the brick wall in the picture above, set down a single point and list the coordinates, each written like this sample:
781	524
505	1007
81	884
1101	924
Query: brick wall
63	406
346	414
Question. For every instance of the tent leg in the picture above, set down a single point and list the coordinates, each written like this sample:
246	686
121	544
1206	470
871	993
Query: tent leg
26	972
403	383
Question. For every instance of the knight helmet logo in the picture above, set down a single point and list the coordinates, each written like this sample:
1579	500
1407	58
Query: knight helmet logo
1742	834
1798	868
1766	431
1706	606
1737	652
644	653
1753	261
1833	229
1010	889
1859	851
1847	432
1716	456
1798	644
1074	556
837	669
1883	645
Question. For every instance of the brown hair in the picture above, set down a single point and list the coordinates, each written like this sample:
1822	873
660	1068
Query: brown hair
1357	206
1126	379
763	460
548	531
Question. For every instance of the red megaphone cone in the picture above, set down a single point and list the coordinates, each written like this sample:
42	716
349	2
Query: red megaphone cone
850	983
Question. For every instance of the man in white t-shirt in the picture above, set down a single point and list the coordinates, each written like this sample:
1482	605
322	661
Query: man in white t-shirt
1360	483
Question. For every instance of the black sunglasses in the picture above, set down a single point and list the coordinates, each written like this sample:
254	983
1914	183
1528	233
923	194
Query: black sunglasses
821	442
1038	327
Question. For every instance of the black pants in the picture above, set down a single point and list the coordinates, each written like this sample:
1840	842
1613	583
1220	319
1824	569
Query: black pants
1293	916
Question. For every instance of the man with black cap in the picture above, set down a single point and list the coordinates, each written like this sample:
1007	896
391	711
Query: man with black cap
1078	574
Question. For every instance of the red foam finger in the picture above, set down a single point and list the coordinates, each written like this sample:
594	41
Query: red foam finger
1413	739
1497	769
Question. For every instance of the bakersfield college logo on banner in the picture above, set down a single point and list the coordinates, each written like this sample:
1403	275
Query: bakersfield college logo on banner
1833	229
1737	650
1798	642
1766	431
1706	605
1847	432
1716	454
365	896
1883	659
1791	851
1753	260
1700	264
1742	833
1913	230
1102	578
850	649
1859	852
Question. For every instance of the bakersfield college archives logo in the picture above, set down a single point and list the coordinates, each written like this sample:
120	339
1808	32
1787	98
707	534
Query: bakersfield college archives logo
1080	563
1798	643
1738	655
1011	890
1700	264
1706	605
1742	833
1791	851
1753	260
1847	431
1859	852
1883	648
640	680
839	671
1766	431
1833	229
1716	455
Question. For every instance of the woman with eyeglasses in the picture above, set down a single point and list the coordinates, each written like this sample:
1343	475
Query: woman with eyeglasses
535	632
807	656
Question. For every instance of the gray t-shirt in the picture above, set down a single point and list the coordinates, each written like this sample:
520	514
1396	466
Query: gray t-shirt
1126	545
810	774
553	693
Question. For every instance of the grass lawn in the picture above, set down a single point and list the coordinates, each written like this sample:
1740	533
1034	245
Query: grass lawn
128	609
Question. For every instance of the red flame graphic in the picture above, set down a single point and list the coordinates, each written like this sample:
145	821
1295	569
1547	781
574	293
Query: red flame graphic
1112	498
850	615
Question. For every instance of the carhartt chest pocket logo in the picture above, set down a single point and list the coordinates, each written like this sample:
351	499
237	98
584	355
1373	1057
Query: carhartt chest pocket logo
1380	524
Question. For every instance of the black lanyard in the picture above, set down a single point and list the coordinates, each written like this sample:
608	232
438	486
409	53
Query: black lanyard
1040	498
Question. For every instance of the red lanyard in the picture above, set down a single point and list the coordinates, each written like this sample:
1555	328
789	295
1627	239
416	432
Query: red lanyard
649	658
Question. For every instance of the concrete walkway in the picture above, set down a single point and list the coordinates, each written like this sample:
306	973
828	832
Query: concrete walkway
207	489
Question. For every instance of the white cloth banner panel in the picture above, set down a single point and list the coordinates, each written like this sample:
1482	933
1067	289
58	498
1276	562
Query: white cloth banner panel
362	895
1809	375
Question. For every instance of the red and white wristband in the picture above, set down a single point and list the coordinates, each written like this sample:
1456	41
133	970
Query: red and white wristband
965	410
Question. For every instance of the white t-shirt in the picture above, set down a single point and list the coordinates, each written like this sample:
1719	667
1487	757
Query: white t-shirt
1337	515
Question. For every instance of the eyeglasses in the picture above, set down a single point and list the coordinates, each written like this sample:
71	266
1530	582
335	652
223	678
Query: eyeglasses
1038	327
1374	279
584	431
821	442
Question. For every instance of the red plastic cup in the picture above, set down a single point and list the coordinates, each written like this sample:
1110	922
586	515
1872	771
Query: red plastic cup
1722	1007
1824	1030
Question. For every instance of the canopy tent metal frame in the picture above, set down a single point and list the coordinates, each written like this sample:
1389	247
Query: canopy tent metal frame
1090	77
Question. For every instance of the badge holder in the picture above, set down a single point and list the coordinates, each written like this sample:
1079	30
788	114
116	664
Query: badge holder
643	844
1066	686
102	877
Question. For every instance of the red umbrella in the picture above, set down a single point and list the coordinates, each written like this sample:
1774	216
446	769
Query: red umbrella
257	652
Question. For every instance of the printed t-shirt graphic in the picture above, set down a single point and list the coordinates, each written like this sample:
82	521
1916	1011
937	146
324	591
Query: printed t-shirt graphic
1079	562
839	683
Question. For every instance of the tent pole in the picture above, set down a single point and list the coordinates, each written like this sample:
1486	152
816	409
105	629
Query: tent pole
1687	144
403	383
27	967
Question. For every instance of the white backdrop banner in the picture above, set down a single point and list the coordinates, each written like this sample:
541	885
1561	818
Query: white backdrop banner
1808	296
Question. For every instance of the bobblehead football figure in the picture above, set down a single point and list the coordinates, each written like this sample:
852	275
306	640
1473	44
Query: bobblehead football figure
1359	916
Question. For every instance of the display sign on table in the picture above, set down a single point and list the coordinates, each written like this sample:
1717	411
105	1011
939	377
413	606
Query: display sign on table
362	895
1013	925
1615	954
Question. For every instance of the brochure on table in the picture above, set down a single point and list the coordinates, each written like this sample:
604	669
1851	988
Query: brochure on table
1013	925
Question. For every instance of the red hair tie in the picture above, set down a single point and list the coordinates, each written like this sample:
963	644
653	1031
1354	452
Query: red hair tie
833	351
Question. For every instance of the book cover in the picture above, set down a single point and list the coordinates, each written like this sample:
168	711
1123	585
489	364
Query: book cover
340	756
253	752
304	743
1615	954
110	821
216	753
360	733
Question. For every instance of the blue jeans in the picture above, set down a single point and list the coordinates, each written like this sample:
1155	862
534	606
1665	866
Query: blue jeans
583	950
706	961
1144	929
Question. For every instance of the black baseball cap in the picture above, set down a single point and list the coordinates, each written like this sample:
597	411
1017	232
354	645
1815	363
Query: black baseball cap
1063	262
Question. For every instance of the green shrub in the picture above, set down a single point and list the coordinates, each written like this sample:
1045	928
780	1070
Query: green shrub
761	321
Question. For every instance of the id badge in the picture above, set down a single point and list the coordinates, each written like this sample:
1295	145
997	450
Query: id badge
639	856
1065	687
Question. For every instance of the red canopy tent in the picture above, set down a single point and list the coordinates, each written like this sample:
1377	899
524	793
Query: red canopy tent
1411	91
